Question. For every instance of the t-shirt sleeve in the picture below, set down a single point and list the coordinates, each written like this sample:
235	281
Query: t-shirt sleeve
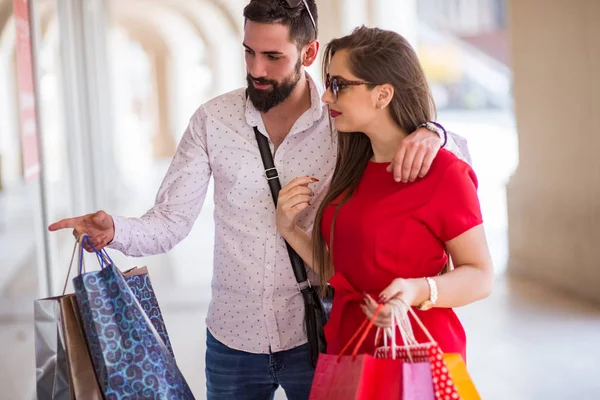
454	206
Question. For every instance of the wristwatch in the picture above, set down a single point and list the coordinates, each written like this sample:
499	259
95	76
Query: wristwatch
433	295
437	129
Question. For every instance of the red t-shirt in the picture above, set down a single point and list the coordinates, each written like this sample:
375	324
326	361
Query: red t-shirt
389	230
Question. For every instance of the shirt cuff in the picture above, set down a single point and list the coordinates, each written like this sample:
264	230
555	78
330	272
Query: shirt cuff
122	237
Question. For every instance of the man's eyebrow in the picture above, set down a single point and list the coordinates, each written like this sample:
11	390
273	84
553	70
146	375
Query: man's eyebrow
267	53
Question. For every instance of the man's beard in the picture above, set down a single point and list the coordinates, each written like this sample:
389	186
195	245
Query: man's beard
264	100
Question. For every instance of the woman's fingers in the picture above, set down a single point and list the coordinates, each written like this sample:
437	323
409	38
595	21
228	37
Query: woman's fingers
383	319
296	191
391	291
294	201
370	307
302	181
368	312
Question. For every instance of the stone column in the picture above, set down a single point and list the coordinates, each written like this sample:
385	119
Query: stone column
554	196
163	141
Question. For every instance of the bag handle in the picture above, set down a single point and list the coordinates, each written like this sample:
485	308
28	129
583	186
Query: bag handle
400	311
364	329
103	258
81	262
401	321
403	325
416	318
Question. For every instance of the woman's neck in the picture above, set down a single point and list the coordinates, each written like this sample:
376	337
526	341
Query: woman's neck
385	138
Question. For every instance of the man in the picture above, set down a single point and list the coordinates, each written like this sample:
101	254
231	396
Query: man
255	336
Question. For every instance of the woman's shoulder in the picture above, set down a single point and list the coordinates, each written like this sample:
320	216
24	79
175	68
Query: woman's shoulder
445	160
448	167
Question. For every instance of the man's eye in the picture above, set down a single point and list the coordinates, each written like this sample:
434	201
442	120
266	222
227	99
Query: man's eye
273	58
249	51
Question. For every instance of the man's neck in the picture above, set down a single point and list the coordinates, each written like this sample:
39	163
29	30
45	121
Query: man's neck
294	106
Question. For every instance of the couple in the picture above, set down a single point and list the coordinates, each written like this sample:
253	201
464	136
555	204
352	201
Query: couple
384	226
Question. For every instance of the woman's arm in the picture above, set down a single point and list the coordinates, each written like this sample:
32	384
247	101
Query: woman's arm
293	199
471	279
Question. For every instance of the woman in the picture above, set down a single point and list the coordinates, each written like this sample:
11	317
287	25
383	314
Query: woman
386	239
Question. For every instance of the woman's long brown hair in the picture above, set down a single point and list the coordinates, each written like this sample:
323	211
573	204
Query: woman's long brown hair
377	56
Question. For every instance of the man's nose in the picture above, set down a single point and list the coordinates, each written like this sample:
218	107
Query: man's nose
257	68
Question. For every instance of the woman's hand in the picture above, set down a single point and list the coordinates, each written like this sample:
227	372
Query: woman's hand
411	291
384	318
293	199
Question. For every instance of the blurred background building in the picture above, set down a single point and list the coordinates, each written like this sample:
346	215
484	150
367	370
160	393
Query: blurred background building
118	81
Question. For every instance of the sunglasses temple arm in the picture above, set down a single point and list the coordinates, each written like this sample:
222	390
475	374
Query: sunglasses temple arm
310	15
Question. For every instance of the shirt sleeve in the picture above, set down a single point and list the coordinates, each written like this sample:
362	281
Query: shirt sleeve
459	147
178	202
454	207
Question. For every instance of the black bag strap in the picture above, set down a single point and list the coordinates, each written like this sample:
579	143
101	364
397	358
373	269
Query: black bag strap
272	177
314	317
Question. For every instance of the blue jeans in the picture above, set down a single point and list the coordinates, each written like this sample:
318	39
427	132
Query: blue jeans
237	375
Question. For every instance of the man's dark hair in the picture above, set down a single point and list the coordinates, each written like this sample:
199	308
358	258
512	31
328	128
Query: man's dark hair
296	19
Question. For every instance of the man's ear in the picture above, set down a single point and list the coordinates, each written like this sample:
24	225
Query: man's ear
311	50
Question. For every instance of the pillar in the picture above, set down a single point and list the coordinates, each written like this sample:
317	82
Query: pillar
553	198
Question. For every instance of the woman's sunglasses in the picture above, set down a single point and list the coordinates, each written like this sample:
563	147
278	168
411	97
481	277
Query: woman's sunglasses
296	3
336	84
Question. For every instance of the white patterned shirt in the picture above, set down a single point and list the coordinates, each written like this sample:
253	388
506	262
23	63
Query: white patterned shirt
256	304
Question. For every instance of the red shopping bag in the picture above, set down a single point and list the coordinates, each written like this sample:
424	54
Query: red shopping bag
357	377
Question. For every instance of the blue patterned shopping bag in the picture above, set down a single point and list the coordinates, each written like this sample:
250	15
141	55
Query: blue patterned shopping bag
138	281
130	358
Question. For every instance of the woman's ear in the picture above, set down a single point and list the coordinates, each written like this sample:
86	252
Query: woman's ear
385	94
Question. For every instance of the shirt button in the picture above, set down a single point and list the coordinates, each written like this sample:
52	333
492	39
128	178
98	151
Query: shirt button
269	268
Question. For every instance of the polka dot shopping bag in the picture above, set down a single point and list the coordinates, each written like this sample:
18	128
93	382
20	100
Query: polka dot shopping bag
450	379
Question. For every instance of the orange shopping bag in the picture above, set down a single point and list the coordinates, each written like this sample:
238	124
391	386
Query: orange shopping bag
460	376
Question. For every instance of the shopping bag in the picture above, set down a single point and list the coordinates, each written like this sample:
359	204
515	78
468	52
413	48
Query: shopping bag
431	354
347	378
460	376
414	352
141	287
63	365
82	378
357	377
129	356
52	376
417	381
